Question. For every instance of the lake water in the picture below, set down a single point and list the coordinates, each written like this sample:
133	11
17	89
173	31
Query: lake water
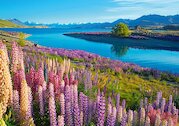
158	59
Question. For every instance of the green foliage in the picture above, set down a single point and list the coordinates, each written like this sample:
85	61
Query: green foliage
9	118
22	41
38	119
176	101
121	30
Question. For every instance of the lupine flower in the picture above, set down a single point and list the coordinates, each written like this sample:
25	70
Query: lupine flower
170	103
81	118
163	105
123	103
40	76
16	105
124	120
5	82
68	114
30	98
135	118
170	122
62	103
109	114
24	103
142	116
15	57
51	90
52	111
85	108
61	121
101	111
147	121
130	118
76	115
41	100
157	120
164	123
113	119
119	114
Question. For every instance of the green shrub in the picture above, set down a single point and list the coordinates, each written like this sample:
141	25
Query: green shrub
121	29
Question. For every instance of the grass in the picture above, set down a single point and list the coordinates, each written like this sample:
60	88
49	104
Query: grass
8	24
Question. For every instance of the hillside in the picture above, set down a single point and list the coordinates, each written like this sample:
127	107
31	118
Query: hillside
8	24
17	22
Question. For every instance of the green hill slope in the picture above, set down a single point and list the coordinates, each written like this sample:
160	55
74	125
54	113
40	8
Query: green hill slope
8	24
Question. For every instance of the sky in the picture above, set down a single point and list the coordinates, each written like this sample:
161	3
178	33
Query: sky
83	11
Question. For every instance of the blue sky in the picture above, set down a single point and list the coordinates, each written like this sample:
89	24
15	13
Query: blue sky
82	11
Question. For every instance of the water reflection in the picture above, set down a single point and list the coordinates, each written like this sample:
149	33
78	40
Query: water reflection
119	50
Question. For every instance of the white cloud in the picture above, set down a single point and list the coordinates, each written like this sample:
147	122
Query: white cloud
136	8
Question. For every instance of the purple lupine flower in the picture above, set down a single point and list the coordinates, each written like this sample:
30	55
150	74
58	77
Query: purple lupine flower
81	118
81	101
157	120
61	121
147	121
130	118
135	118
91	112
123	103
76	115
109	114
68	111
109	100
142	117
145	103
159	97
124	120
52	111
119	114
41	100
141	103
101	111
85	108
113	119
62	104
163	105
170	104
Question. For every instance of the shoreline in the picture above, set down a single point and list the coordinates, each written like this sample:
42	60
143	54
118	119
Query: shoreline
140	42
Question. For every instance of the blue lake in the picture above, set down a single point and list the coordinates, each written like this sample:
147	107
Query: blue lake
164	60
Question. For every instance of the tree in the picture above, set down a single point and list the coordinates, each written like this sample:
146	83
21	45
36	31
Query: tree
22	41
121	29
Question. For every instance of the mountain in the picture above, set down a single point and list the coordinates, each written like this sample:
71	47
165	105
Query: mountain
144	21
17	22
154	20
8	24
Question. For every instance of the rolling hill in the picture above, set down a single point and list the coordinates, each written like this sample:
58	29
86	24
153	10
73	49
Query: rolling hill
8	24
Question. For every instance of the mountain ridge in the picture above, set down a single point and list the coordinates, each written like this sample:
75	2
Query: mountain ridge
144	21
